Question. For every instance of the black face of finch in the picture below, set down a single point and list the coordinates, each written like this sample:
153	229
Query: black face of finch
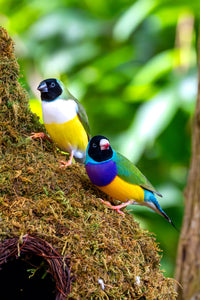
95	151
50	89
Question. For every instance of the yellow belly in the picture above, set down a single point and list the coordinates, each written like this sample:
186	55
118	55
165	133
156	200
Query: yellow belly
68	136
123	191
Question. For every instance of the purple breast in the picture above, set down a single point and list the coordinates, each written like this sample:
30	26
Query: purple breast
103	173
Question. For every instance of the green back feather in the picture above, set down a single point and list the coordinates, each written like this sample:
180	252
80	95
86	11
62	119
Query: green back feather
127	171
83	118
81	111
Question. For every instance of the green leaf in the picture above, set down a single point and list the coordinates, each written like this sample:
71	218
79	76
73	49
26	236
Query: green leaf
132	18
151	119
142	86
155	67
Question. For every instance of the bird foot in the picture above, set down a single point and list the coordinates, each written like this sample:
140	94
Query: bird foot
65	164
41	135
116	207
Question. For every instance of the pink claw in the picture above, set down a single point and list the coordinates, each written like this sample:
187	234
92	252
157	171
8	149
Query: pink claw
41	135
116	207
65	164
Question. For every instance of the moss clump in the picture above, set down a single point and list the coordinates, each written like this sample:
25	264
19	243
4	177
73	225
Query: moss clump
62	207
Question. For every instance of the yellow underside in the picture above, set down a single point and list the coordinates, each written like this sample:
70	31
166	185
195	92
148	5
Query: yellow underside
68	136
123	191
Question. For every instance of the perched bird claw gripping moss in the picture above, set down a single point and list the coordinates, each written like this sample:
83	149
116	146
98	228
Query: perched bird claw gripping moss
41	135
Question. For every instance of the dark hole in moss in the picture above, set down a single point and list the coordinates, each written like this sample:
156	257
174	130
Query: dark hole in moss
35	247
26	277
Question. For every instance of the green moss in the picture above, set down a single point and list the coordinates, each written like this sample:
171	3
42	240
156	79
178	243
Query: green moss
62	207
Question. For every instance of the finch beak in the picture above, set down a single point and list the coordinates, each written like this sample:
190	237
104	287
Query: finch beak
43	87
104	144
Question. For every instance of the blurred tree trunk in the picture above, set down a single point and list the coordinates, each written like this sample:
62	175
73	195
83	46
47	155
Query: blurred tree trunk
188	257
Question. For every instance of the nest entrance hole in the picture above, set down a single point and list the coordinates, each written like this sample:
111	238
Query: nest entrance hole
33	254
26	277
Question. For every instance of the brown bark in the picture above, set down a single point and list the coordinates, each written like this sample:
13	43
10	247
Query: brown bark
188	257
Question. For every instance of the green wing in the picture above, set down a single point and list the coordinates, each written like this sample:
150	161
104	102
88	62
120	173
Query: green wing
130	173
81	111
83	118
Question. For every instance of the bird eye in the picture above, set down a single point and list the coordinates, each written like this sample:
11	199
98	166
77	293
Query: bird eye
94	145
53	84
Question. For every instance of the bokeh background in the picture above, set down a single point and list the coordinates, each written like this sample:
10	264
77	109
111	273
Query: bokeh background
133	65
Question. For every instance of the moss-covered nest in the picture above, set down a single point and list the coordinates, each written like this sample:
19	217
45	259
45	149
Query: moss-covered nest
99	254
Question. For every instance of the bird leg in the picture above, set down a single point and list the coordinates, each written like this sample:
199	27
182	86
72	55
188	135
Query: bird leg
117	207
41	135
65	164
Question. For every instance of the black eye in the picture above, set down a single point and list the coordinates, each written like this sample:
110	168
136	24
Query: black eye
94	145
53	84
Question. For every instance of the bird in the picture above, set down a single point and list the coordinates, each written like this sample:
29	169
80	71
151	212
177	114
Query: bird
65	120
119	178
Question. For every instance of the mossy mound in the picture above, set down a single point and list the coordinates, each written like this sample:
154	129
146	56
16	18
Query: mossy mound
61	207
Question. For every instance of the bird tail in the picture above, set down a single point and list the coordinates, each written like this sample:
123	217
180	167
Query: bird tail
151	202
80	156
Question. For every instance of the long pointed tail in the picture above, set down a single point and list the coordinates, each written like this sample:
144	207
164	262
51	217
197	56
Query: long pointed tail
151	202
168	219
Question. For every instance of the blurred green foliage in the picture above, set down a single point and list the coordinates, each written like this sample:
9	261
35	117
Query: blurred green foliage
133	66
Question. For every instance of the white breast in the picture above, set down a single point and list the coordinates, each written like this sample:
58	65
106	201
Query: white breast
59	111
